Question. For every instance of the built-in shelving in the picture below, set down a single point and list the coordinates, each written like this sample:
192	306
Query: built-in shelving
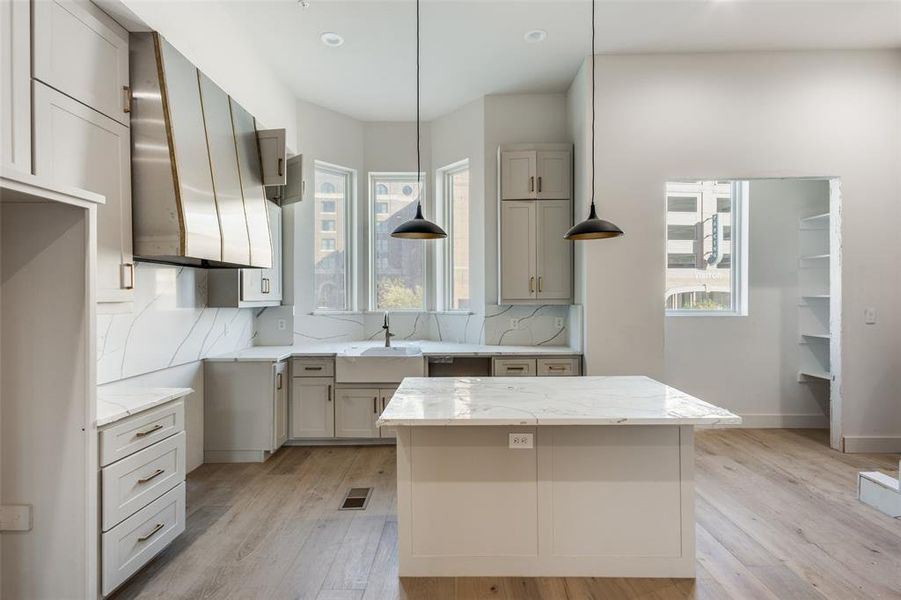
816	257
816	221
817	336
816	374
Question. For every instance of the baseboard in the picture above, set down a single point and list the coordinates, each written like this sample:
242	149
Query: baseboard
780	421
234	456
341	442
872	444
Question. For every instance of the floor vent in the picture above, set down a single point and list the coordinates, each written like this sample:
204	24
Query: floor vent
356	499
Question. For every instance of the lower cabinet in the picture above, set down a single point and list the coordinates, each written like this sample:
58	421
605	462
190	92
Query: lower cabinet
312	407
245	410
358	409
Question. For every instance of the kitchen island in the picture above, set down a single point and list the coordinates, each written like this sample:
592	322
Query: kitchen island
580	476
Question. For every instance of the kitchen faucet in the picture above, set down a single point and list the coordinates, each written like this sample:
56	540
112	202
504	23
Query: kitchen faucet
388	335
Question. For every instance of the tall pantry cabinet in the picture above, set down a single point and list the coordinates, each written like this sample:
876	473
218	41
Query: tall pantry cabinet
535	211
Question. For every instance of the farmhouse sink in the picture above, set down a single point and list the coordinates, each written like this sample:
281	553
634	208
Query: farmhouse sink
392	351
378	364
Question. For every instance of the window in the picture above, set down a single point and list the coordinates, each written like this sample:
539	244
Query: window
454	200
705	258
397	266
331	254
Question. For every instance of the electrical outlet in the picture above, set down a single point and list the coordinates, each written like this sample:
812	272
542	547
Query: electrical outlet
869	315
514	323
521	440
558	323
281	324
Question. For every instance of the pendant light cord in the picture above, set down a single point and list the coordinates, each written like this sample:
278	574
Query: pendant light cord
592	102
418	144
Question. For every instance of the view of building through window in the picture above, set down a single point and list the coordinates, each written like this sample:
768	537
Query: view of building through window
699	250
398	265
333	190
456	194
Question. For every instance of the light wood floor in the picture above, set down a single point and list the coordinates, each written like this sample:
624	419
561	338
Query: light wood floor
776	510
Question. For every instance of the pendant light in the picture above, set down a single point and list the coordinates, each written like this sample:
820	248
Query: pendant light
418	228
593	228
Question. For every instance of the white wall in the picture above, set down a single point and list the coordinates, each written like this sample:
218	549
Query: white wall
750	364
514	119
751	115
208	35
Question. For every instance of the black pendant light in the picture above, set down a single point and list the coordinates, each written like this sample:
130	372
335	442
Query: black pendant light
418	228
593	228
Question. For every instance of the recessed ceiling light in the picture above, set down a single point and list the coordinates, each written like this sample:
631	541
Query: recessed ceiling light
535	36
330	38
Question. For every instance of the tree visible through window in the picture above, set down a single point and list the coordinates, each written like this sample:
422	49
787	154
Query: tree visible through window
397	265
334	190
702	218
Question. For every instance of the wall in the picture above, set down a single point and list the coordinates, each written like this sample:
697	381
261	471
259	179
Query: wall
751	115
513	119
750	364
207	34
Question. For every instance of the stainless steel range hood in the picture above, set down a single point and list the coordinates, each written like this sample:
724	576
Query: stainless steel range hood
197	185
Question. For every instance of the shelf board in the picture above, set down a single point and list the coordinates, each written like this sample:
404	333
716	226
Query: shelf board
816	374
818	336
819	217
816	296
815	257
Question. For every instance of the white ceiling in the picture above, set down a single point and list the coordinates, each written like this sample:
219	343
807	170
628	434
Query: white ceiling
473	48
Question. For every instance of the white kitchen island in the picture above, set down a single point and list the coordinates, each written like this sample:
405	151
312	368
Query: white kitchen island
606	490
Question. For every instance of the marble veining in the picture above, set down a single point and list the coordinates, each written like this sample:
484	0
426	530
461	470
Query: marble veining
629	400
117	402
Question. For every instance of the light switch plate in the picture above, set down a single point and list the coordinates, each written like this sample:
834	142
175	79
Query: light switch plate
521	441
869	315
15	517
558	323
514	323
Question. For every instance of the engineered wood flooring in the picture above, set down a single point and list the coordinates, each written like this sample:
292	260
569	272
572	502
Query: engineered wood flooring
777	518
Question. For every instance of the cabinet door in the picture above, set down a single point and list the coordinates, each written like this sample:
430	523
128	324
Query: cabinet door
273	156
281	405
517	265
356	411
15	84
77	146
385	395
554	252
554	175
252	187
518	172
265	285
312	409
82	52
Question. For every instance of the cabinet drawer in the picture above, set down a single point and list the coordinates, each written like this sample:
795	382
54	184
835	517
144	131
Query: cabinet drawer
514	367
312	367
558	367
131	544
140	431
138	480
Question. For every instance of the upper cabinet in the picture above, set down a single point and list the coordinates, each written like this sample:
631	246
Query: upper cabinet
15	85
534	213
80	121
274	157
536	174
80	51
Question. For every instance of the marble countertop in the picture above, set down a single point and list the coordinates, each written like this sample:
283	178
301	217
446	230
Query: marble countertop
429	348
632	400
116	403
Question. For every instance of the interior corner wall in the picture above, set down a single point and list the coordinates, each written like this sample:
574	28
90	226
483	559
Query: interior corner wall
208	35
750	364
457	136
578	121
514	119
747	116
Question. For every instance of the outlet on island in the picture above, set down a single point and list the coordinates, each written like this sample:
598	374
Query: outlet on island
521	440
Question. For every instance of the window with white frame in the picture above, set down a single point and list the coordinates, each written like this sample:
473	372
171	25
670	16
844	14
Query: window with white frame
706	249
333	201
453	194
397	272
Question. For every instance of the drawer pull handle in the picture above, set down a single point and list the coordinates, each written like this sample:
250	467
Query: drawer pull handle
312	368
556	368
151	533
156	474
515	368
147	432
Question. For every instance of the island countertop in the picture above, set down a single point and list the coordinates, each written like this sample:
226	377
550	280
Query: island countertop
606	400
